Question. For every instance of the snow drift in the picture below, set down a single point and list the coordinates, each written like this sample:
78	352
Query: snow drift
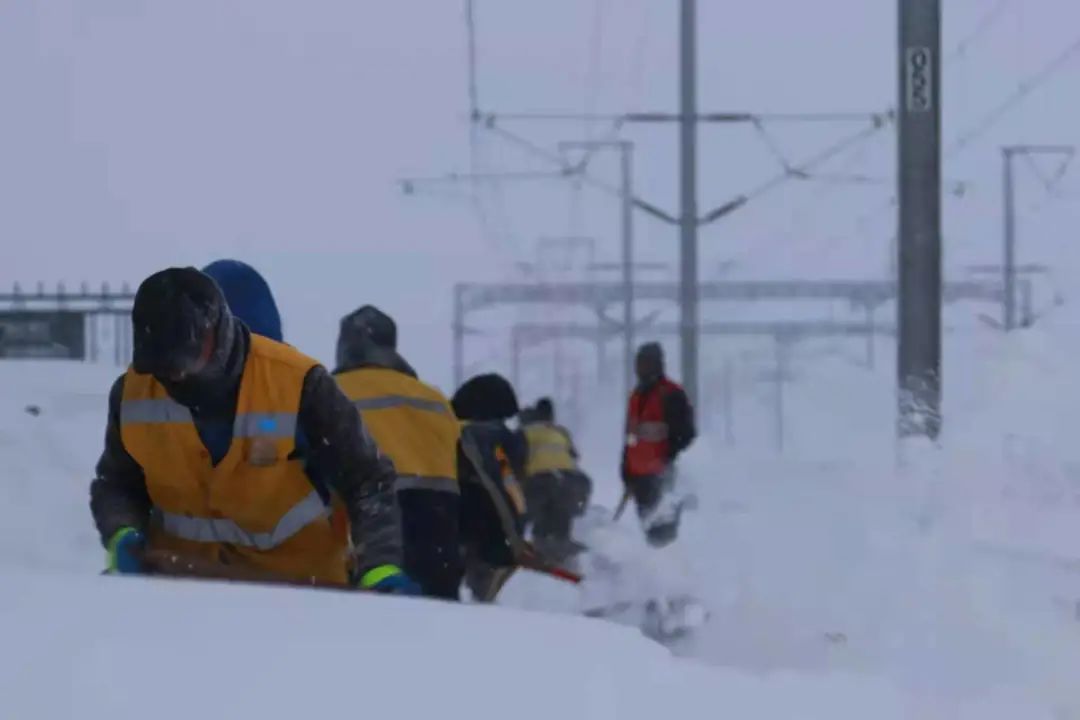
835	591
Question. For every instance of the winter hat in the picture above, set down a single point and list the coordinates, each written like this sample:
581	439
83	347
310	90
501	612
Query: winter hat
362	332
545	409
485	397
172	313
248	296
371	323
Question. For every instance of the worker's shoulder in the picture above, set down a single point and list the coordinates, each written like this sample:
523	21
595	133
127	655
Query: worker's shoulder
116	390
281	354
427	390
670	385
671	391
383	380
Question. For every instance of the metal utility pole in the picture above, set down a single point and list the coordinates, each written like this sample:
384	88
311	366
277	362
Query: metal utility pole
1008	265
459	336
474	95
781	349
728	402
688	220
626	224
919	185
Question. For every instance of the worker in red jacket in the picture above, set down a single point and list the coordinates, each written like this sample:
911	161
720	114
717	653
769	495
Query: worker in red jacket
659	426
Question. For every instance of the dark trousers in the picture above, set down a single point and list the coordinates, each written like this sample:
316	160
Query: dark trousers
647	491
431	541
554	499
487	548
483	579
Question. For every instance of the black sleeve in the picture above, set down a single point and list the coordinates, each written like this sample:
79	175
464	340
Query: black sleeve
679	415
489	519
570	441
516	447
623	472
118	496
353	467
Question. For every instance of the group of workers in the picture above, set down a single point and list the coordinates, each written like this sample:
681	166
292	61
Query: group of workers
229	447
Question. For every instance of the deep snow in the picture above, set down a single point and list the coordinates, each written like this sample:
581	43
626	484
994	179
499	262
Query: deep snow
836	590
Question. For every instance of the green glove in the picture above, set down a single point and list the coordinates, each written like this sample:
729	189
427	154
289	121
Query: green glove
123	549
389	579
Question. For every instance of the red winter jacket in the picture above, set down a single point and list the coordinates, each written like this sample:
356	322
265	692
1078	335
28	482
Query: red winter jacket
659	425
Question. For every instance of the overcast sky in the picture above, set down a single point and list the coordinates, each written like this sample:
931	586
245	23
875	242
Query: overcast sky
136	134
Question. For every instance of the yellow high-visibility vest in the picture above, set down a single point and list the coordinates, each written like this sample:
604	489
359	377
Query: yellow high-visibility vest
550	449
257	507
411	422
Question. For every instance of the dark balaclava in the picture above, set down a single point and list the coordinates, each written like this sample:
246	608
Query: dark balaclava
184	335
649	363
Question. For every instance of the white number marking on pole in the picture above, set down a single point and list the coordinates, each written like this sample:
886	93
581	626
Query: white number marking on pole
920	91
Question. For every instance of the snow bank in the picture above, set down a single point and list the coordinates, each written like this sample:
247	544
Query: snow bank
78	645
52	427
831	594
103	648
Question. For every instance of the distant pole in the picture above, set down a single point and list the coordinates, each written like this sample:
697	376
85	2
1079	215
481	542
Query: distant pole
93	317
626	160
601	360
1008	265
474	99
515	359
727	403
459	336
688	221
626	223
871	340
780	347
919	184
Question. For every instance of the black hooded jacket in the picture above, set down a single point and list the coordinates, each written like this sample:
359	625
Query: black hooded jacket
339	454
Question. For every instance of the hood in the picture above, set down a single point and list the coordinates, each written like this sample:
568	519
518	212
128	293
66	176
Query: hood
248	296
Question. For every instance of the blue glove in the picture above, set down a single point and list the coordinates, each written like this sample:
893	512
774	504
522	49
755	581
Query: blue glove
124	549
390	580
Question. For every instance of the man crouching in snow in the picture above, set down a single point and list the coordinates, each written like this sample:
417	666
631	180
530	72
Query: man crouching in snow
210	439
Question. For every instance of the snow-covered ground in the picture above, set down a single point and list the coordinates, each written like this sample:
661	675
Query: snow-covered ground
79	645
837	587
958	578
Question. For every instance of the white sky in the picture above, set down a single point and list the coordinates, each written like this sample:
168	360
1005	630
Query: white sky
136	134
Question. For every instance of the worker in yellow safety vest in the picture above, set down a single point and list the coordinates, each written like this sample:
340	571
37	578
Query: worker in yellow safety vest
211	436
413	423
556	489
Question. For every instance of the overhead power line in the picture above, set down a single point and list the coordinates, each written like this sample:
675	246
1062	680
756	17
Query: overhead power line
1021	93
981	27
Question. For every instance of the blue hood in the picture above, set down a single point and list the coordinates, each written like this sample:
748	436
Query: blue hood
248	295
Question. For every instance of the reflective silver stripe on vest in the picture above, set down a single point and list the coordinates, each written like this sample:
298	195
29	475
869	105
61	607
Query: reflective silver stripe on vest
385	402
420	482
220	530
652	431
159	410
167	410
264	425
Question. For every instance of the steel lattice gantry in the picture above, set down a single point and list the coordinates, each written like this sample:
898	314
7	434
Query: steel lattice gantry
861	294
